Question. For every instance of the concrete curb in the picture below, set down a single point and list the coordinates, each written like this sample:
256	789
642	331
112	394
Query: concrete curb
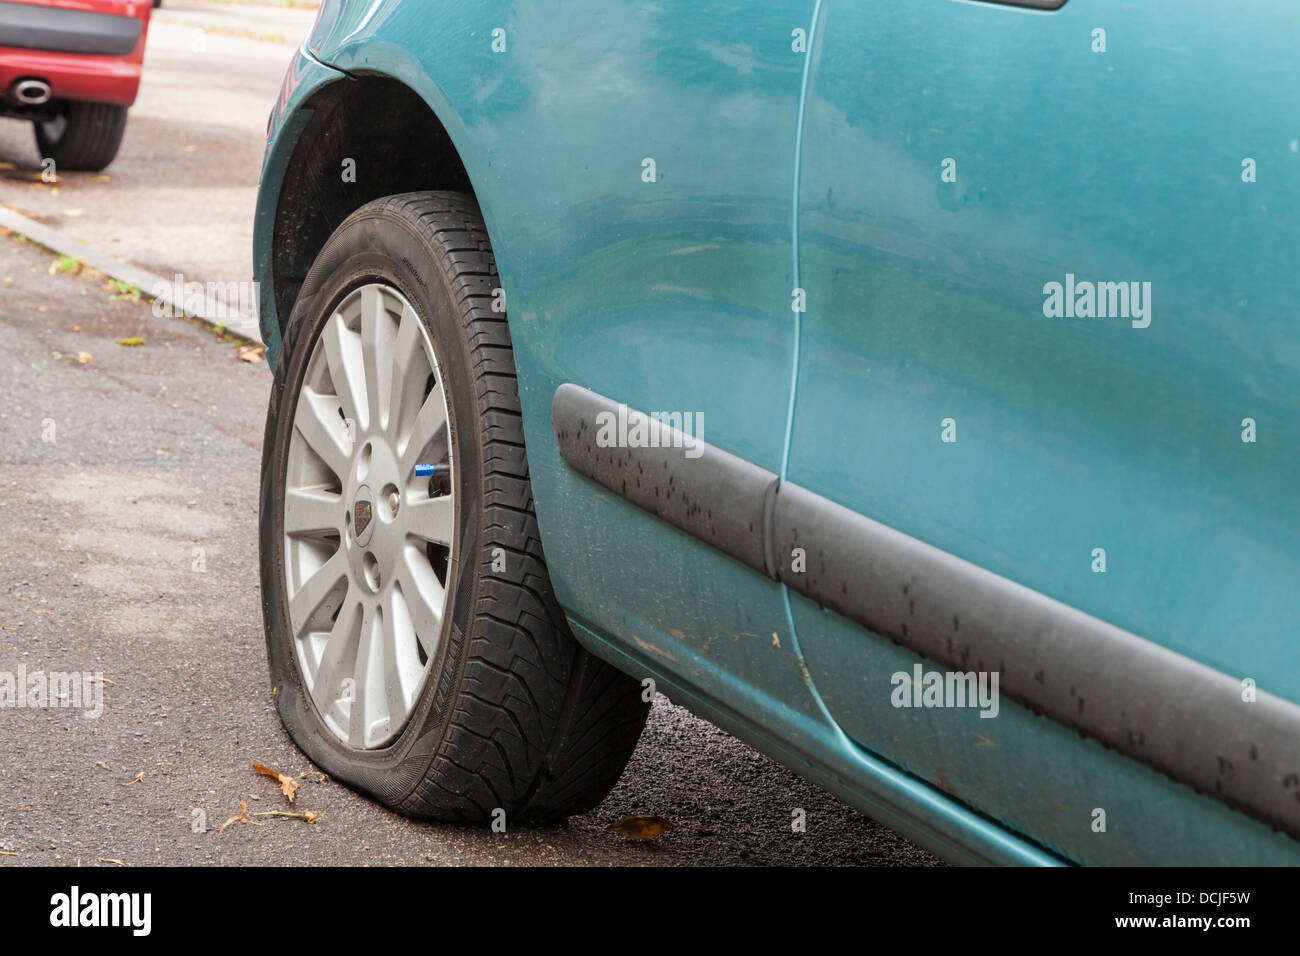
155	287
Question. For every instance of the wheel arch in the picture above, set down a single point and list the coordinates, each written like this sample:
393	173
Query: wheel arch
395	142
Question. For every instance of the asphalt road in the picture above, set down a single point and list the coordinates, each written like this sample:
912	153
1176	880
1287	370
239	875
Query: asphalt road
128	503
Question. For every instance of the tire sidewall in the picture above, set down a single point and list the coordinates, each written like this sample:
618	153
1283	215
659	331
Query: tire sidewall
374	246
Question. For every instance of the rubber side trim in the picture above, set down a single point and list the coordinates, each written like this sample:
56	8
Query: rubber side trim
716	497
1169	712
61	30
1031	4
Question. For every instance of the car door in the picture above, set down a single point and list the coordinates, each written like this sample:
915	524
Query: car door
1051	335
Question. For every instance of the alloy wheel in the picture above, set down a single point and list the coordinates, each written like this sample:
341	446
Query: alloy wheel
369	516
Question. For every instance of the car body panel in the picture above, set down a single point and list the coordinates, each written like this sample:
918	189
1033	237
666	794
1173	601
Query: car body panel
817	750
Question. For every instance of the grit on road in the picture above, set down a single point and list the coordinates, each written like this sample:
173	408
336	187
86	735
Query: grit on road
128	499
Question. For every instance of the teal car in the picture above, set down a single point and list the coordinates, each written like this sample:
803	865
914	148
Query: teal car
909	388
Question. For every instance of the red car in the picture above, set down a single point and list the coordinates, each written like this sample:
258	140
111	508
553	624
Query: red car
72	67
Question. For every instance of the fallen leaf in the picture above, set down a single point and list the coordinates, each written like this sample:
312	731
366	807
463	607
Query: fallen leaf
105	859
139	778
249	353
84	357
641	828
313	773
307	816
241	818
136	340
288	786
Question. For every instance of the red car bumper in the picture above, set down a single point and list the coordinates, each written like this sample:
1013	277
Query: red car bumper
84	49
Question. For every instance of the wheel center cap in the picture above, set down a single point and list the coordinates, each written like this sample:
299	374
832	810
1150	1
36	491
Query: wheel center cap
363	516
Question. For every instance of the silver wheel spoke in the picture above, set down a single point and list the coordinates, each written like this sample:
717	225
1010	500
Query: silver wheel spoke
428	423
431	519
368	688
406	391
340	652
401	656
312	511
313	592
317	420
417	582
377	348
347	369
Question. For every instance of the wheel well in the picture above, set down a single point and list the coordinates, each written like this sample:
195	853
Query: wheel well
397	144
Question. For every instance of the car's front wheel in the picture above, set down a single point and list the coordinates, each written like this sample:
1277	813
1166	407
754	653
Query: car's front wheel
416	648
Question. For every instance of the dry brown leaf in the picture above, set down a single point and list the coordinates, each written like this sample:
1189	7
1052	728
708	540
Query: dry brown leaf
641	828
106	859
242	817
307	816
313	773
84	357
249	353
139	778
288	785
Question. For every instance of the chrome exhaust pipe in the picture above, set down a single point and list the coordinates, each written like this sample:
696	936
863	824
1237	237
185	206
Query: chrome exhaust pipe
30	92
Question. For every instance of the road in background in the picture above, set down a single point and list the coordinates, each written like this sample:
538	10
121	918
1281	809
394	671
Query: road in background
128	495
180	196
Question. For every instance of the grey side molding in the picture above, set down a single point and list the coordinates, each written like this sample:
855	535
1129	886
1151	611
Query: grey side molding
716	497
